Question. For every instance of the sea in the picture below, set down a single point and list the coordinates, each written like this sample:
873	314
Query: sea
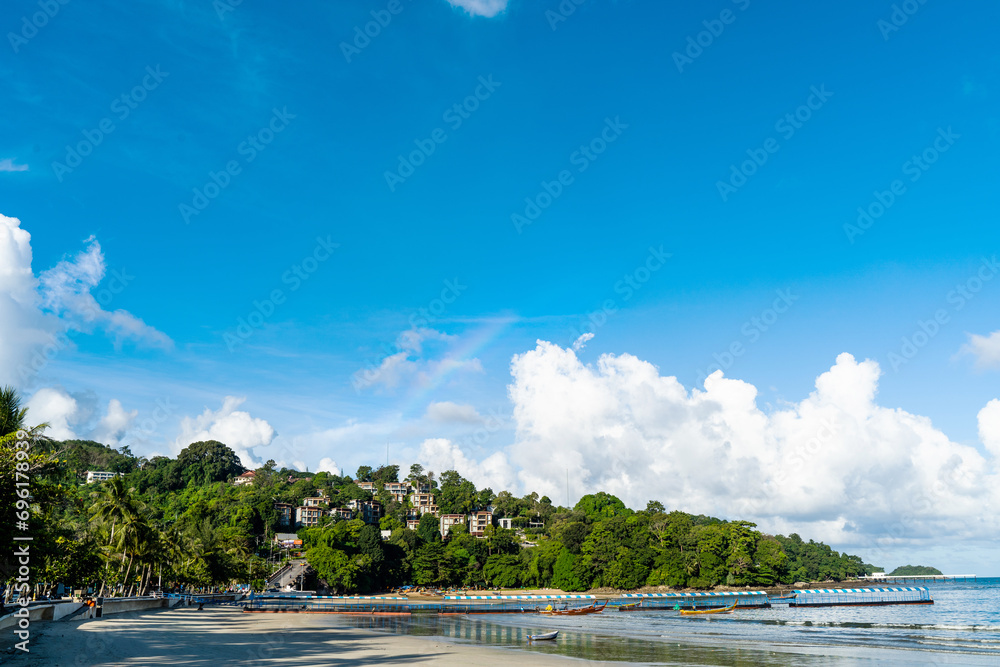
962	627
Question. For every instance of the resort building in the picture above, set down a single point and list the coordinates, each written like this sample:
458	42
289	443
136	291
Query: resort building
365	486
369	511
341	513
101	476
398	490
307	516
316	501
449	520
478	522
506	522
413	524
284	511
245	479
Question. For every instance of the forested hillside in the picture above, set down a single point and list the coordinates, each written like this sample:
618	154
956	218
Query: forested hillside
183	521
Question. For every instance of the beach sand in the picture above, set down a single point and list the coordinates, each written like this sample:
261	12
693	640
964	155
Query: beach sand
225	636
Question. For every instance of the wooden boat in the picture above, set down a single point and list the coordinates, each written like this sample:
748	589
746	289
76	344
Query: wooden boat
579	611
632	606
547	635
720	610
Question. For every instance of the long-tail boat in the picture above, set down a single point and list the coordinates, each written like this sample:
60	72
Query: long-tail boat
579	611
718	610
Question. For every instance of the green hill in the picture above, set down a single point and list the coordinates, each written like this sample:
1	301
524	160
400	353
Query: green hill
913	571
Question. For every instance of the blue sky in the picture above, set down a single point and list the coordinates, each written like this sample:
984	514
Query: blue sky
308	135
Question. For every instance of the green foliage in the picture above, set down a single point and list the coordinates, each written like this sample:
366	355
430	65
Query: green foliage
184	520
601	505
208	461
914	570
566	575
456	494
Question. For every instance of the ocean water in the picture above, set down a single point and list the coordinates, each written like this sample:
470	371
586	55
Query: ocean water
961	628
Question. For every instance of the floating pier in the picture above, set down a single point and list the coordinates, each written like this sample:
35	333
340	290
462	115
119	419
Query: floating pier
743	600
921	577
860	597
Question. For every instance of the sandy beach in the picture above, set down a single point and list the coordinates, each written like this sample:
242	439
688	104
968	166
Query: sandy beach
223	636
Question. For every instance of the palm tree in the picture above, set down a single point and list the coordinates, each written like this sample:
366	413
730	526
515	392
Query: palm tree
11	413
114	503
12	417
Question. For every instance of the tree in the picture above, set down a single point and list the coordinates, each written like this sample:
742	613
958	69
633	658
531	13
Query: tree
503	571
601	505
565	574
364	474
208	461
456	495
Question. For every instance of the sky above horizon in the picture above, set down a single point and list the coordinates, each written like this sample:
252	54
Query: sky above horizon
736	257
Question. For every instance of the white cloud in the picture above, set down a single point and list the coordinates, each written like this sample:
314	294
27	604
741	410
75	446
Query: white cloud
326	464
55	407
449	412
440	454
836	466
114	424
989	427
8	165
410	362
229	426
986	349
67	290
487	8
36	313
582	341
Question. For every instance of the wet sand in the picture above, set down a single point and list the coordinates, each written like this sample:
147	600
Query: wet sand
223	636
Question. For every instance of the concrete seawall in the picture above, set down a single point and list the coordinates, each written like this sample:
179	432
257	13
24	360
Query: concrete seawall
59	610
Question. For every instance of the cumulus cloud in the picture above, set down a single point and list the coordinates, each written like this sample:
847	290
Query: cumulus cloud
230	426
986	349
115	423
441	454
487	8
989	427
411	362
8	165
37	313
836	465
449	412
326	464
55	407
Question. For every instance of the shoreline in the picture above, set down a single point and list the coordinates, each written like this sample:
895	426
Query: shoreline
214	636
